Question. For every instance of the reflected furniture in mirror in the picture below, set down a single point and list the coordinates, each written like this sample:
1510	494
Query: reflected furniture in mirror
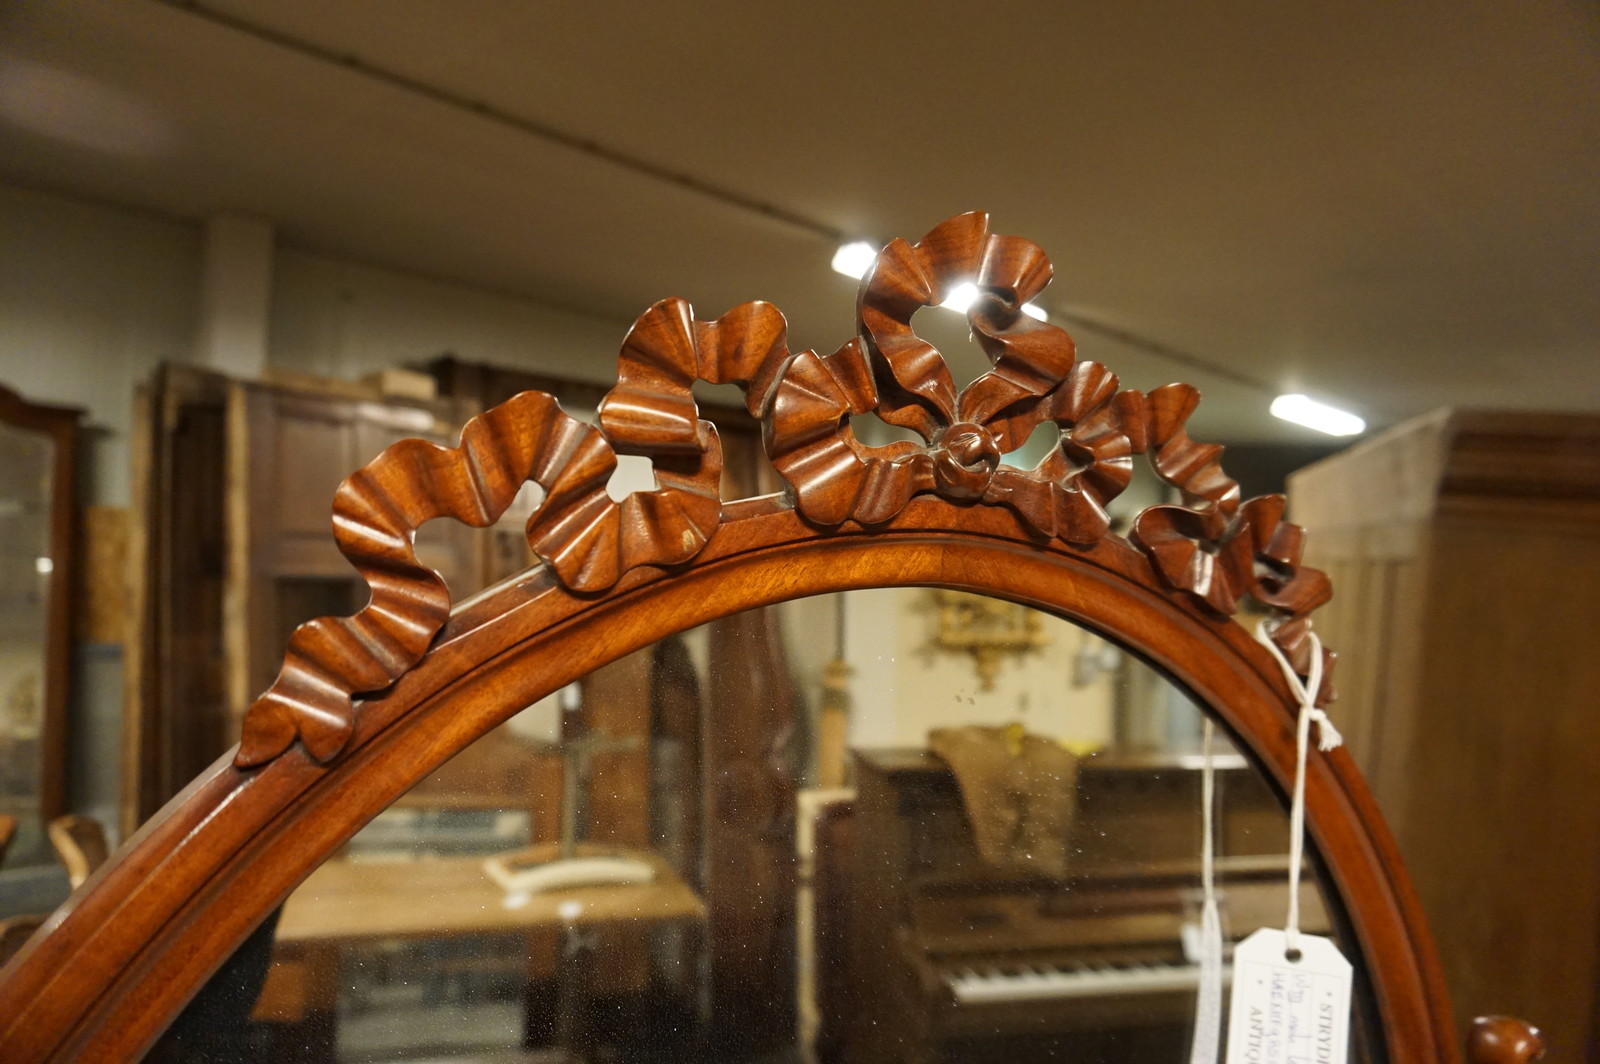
1072	959
81	844
231	483
367	706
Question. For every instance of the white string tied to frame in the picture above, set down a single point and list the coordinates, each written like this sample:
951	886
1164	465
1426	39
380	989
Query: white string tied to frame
1328	737
1207	1037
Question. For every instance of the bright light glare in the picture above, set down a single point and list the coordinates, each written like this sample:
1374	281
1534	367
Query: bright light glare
962	296
1314	415
44	565
854	260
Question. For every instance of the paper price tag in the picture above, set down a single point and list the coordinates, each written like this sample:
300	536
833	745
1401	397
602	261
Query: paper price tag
1289	1012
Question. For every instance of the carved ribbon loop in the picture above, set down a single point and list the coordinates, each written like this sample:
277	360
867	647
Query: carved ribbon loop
578	530
1208	546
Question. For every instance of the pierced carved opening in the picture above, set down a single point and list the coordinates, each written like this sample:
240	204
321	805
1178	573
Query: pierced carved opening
1210	546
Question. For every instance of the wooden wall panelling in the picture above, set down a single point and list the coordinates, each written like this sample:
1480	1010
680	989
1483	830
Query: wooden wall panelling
1476	682
1501	812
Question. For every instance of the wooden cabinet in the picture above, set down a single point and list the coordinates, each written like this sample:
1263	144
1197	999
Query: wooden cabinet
287	453
233	485
1466	549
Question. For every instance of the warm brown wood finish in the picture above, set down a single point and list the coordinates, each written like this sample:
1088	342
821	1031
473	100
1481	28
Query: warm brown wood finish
1503	1040
919	876
232	481
1466	545
175	707
8	831
1212	546
365	707
750	865
60	425
15	931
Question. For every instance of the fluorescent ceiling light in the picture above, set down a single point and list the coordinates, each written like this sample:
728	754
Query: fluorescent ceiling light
1320	416
854	260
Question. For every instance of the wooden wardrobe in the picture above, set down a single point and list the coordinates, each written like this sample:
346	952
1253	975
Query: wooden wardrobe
1466	549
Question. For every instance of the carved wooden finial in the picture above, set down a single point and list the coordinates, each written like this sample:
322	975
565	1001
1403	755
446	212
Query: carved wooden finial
1503	1040
1209	546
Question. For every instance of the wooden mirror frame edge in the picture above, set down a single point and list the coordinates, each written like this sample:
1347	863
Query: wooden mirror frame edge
116	964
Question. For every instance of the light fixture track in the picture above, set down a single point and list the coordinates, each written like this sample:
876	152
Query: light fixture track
487	111
644	167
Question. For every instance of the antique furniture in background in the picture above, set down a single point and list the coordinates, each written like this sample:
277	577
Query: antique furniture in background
231	484
366	706
38	452
81	843
1466	545
1093	953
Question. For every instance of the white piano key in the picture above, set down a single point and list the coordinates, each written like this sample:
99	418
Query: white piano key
1029	983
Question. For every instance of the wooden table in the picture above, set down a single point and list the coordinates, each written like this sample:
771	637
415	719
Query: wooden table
345	902
350	901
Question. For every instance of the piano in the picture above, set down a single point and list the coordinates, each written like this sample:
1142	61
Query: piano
954	960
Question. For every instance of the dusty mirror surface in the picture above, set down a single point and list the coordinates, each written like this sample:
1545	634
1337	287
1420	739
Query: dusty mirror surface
895	825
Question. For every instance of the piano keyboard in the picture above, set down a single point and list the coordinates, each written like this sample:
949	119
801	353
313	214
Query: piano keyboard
974	986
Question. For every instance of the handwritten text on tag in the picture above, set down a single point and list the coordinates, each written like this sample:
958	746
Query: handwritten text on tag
1289	1012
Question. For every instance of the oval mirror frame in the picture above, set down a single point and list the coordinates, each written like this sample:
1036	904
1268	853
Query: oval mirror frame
367	706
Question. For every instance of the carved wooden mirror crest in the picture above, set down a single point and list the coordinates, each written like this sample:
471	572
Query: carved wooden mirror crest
1210	546
367	705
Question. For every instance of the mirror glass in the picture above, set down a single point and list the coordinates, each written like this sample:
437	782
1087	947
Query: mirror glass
896	825
26	461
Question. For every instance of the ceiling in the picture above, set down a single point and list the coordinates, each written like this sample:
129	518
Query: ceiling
1390	206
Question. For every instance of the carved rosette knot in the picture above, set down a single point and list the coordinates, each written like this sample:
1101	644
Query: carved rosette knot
965	464
1209	546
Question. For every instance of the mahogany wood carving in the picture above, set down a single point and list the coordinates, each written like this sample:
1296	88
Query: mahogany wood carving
1210	546
1503	1040
366	706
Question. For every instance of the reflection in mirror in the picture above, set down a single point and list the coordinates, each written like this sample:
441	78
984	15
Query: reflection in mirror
967	832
